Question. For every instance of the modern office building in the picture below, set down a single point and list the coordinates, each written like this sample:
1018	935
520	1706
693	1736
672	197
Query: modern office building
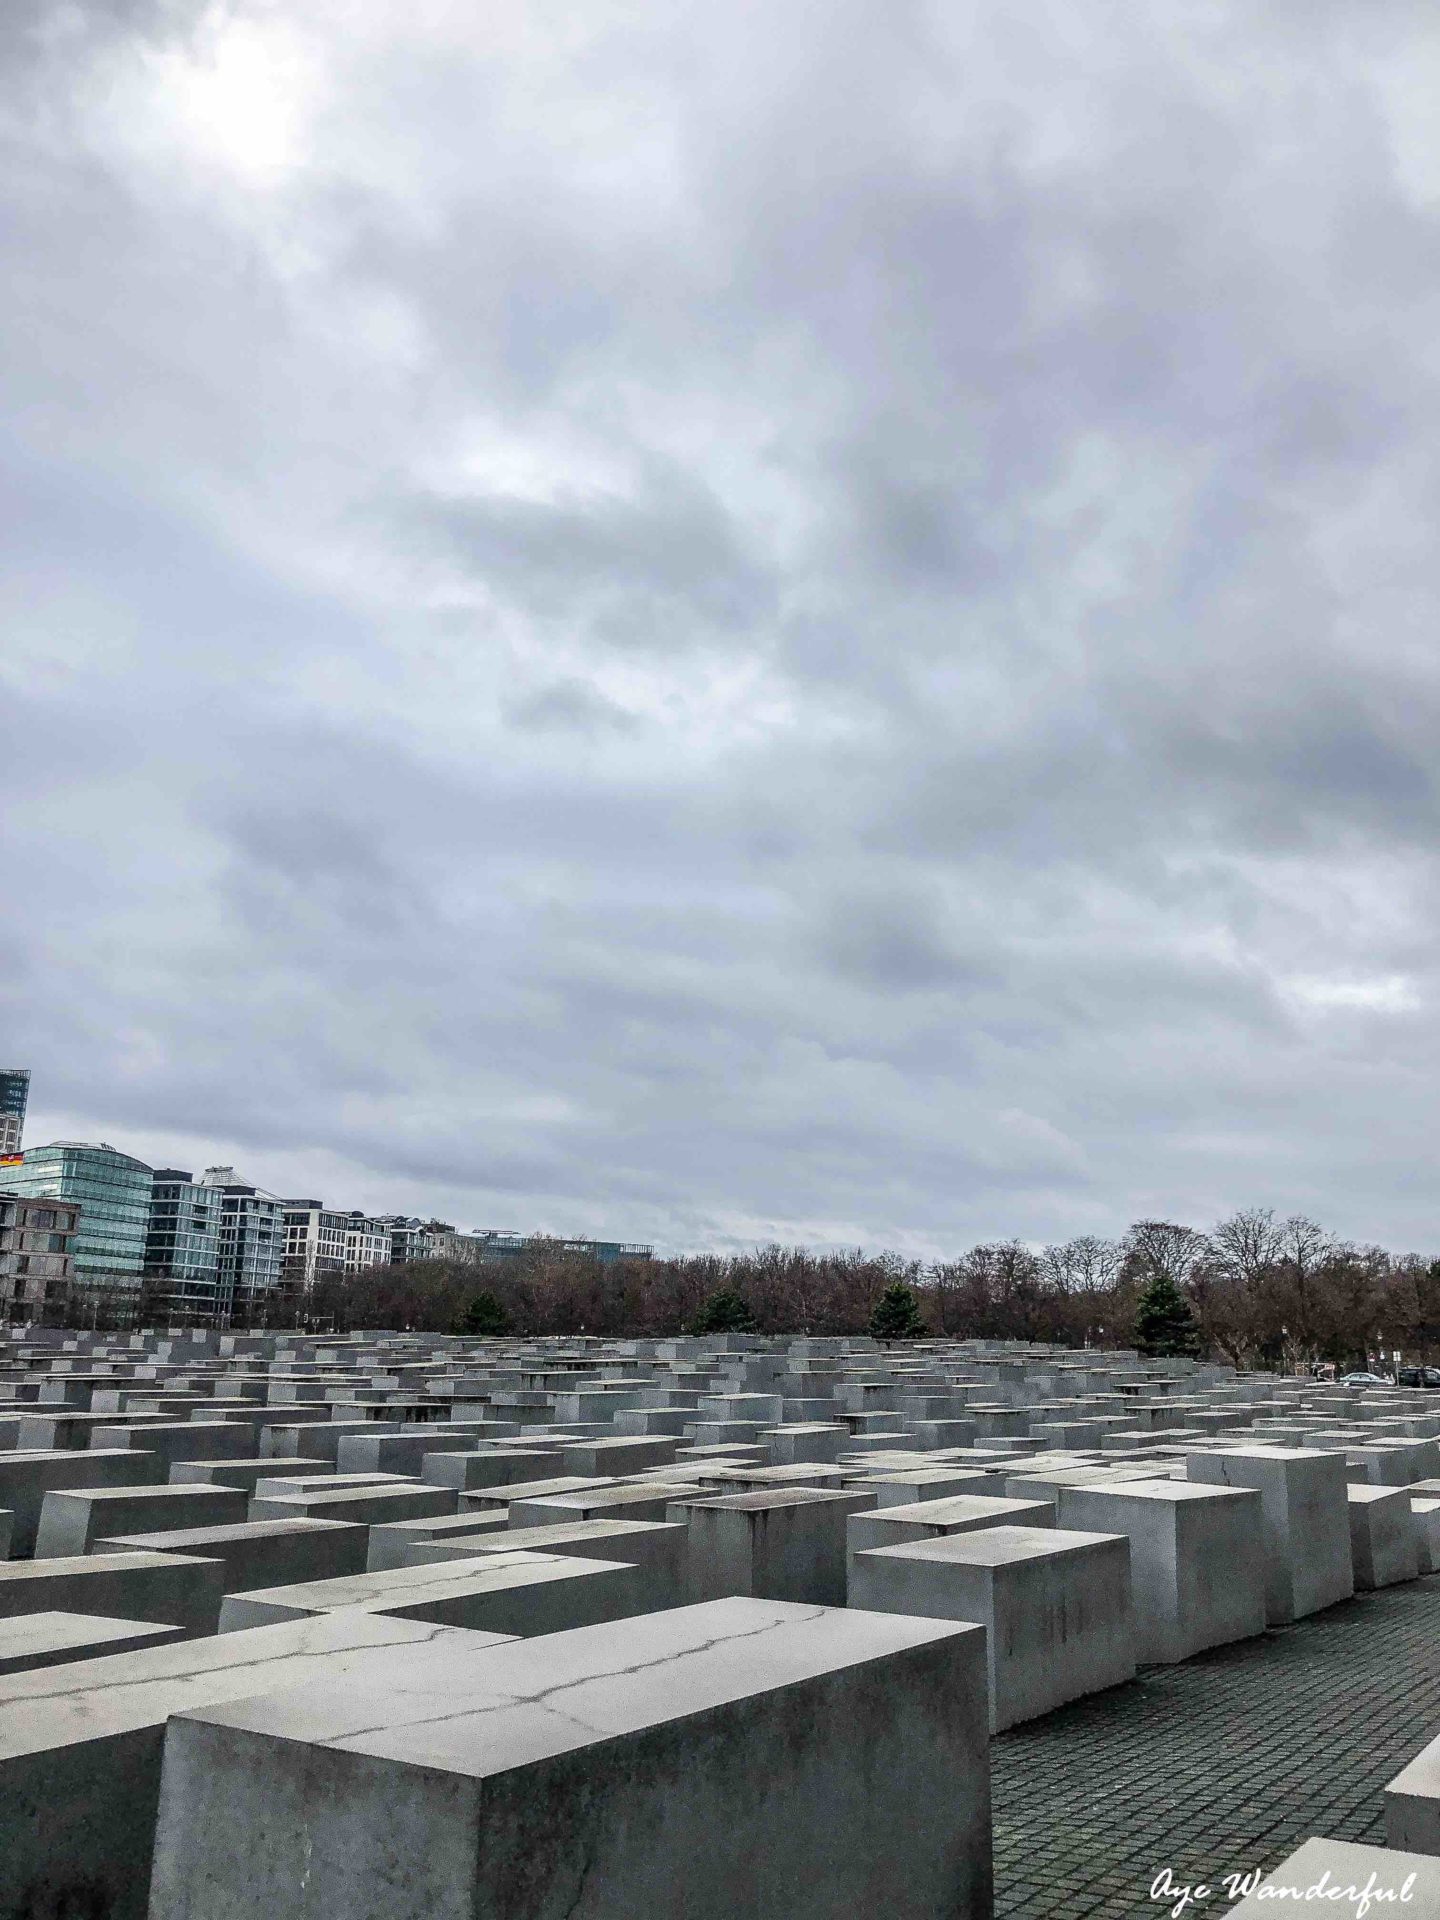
322	1240
182	1247
251	1226
14	1098
37	1258
415	1239
112	1193
367	1242
410	1237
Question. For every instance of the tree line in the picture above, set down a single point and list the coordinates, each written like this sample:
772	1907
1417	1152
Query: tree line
1262	1291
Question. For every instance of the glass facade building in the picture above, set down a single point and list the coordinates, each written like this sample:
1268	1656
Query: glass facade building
182	1246
112	1192
251	1228
14	1098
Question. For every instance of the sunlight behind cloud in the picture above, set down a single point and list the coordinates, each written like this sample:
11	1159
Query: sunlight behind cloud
242	93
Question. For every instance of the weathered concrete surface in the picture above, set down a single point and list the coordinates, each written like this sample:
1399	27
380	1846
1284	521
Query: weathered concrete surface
513	1593
29	1640
787	1545
392	1541
1055	1606
1197	1560
935	1519
81	1747
658	1549
260	1553
402	1500
1412	1804
1384	1536
742	1758
1305	1523
73	1519
1427	1533
26	1478
635	1500
245	1474
169	1441
619	1454
174	1588
488	1467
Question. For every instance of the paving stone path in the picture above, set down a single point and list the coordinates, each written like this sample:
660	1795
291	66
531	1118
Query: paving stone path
1219	1765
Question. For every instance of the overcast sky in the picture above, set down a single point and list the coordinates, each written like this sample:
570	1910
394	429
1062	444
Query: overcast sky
713	622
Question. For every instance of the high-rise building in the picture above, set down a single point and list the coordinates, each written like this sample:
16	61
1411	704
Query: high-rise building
182	1246
112	1192
251	1226
37	1258
14	1098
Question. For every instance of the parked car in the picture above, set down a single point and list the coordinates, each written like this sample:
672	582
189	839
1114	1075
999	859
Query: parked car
1419	1376
1364	1380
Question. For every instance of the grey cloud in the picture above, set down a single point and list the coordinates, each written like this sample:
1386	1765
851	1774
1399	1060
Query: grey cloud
626	636
648	570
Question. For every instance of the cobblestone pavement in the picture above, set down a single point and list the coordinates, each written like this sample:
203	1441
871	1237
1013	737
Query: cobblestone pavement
1219	1765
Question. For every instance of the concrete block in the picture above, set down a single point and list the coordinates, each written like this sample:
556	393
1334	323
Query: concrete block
403	1453
1197	1561
740	1758
496	1467
905	1486
26	1478
1304	1522
289	1486
391	1542
1412	1804
788	1545
169	1587
1055	1606
260	1553
1392	1463
659	1549
640	1501
1323	1872
513	1593
487	1499
937	1519
802	1443
619	1455
245	1474
29	1640
168	1441
73	1519
405	1500
81	1747
943	1433
1427	1533
319	1439
1384	1536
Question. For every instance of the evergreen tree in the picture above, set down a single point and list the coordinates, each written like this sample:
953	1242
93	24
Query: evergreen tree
897	1315
724	1312
1164	1324
484	1315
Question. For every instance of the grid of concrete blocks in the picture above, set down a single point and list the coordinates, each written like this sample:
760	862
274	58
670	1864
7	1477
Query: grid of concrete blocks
383	1626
